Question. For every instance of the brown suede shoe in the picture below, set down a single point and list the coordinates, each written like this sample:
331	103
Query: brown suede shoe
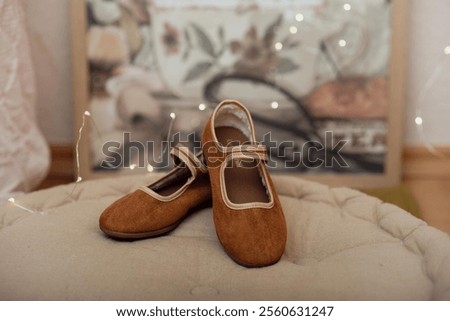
248	216
159	208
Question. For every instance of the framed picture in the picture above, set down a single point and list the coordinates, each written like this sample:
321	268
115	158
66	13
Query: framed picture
323	79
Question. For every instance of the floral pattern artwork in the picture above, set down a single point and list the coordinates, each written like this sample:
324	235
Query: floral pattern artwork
305	68
170	39
253	54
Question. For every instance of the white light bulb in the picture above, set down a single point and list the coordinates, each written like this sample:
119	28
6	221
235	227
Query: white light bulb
299	17
87	113
342	43
172	115
278	46
202	107
419	120
133	166
293	29
347	7
11	200
79	179
274	105
447	50
150	168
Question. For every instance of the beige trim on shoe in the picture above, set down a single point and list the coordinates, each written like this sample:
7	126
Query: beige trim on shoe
224	103
192	162
252	152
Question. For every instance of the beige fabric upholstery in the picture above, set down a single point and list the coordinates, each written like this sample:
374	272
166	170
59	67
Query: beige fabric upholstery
341	245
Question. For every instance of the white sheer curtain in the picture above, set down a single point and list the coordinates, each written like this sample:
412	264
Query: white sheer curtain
24	153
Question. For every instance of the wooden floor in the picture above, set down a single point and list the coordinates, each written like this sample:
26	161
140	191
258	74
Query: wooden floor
426	175
61	167
433	197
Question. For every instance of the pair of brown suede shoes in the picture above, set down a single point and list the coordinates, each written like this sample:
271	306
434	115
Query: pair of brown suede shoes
248	217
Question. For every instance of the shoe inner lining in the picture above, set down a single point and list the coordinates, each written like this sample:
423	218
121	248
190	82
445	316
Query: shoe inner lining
231	116
243	180
172	183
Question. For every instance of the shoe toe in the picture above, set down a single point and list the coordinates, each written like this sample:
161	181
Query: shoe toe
136	213
256	239
116	217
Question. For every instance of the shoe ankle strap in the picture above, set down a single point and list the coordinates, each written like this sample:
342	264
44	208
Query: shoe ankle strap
182	155
248	151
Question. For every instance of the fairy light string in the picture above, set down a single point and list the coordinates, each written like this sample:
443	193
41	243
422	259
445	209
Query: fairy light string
13	201
430	83
86	114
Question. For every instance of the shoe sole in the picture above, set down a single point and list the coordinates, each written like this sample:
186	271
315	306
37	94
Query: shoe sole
141	235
